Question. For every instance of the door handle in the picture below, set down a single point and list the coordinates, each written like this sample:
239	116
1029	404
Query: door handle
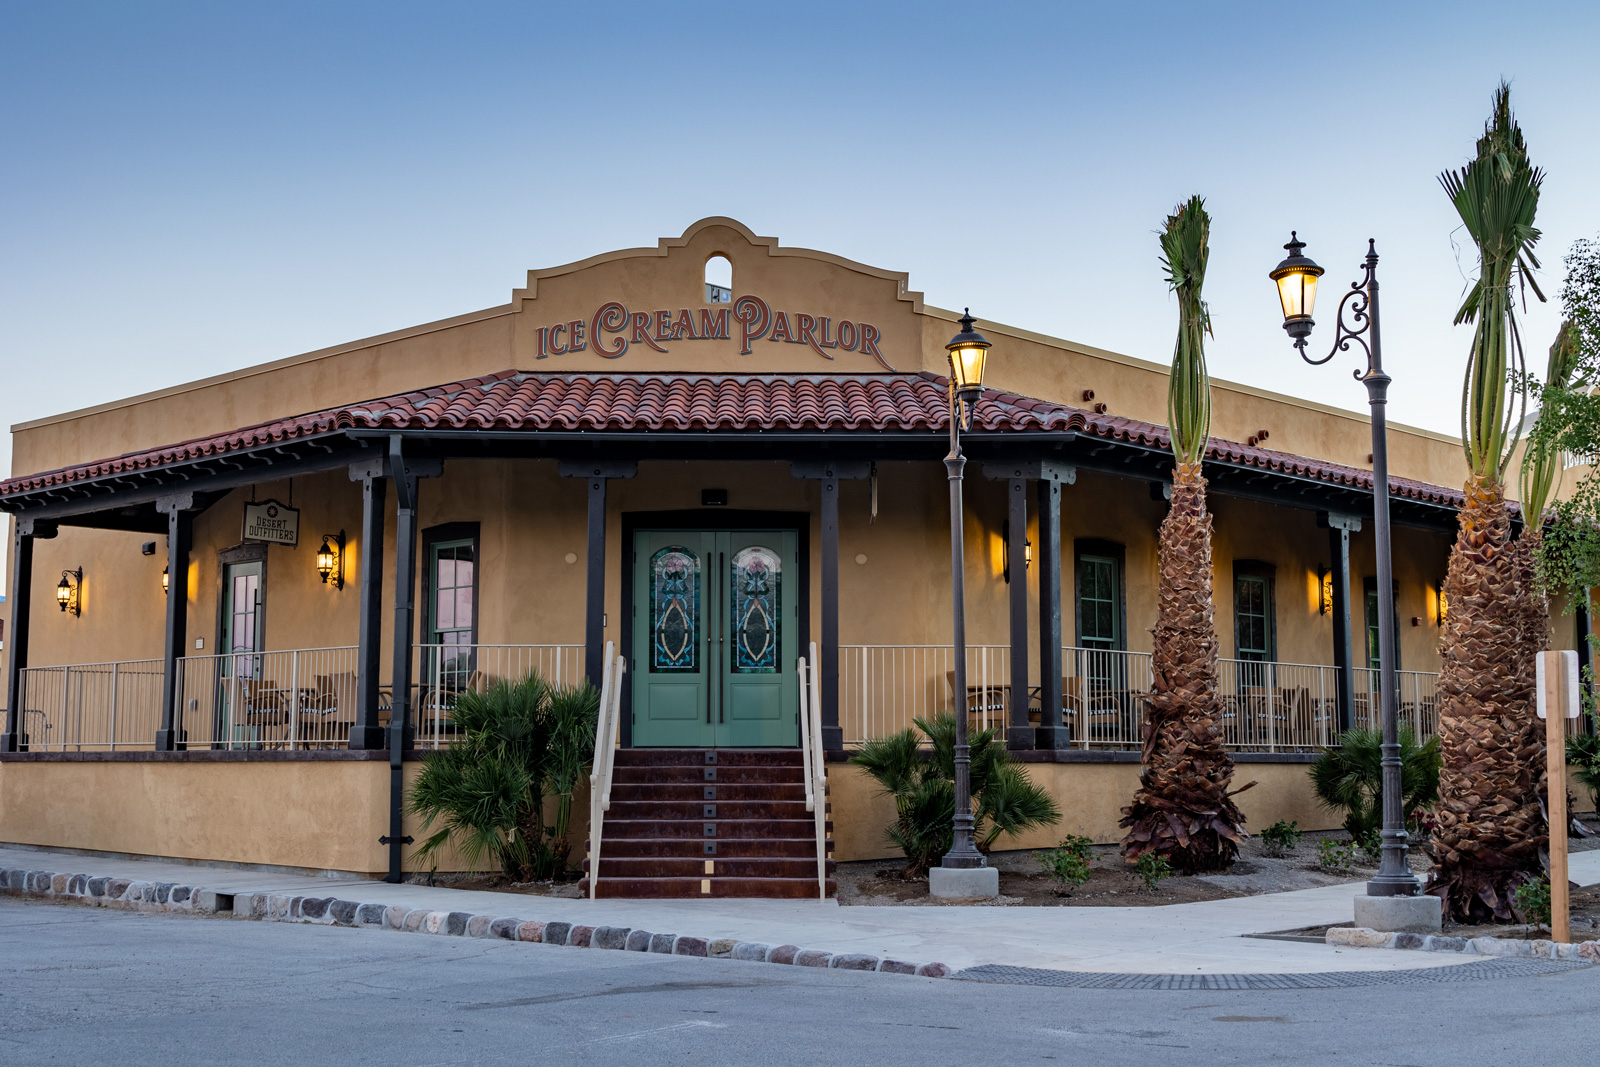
722	634
706	610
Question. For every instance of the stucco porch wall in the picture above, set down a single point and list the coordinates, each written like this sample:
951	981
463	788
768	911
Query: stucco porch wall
894	582
313	814
1091	797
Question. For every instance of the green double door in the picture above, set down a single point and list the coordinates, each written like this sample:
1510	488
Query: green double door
715	638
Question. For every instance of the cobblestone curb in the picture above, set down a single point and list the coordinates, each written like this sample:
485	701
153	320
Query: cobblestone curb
170	897
1361	937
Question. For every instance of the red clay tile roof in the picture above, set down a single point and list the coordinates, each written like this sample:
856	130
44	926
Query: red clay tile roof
690	403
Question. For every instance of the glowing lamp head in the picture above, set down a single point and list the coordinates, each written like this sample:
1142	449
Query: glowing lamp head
325	560
1297	290
969	351
166	579
64	593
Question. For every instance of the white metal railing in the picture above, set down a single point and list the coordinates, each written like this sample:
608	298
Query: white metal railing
1267	706
88	707
439	672
882	688
607	723
816	773
291	699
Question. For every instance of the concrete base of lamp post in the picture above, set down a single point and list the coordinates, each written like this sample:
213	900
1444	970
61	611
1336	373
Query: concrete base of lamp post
1422	914
963	883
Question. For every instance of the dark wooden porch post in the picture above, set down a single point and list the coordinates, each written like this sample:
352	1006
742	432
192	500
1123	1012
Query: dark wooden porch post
596	474
25	531
1051	733
367	733
405	474
179	509
1020	734
1340	527
828	475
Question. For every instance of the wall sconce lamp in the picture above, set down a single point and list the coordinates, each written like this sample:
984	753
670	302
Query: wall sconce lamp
166	579
1441	604
67	592
1324	590
330	560
1005	551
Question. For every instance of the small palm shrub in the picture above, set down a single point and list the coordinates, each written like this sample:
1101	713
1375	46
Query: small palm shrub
520	741
1349	778
922	783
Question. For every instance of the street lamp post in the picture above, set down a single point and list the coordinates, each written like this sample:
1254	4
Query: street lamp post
1297	291
963	872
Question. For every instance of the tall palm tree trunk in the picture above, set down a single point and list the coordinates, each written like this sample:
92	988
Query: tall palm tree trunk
1183	809
1489	827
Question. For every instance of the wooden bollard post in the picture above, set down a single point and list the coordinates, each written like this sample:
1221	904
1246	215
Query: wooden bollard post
1558	701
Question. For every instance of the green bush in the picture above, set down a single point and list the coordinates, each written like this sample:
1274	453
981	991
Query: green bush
1068	862
1150	868
520	742
1583	754
922	783
1349	778
1531	901
1335	855
1280	837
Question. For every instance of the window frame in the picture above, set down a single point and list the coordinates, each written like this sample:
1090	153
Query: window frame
1116	554
448	535
1254	570
1369	590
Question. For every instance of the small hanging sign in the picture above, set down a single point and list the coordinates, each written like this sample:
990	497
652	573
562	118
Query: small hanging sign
272	522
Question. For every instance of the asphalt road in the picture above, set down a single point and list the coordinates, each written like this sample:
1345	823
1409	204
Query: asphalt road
86	986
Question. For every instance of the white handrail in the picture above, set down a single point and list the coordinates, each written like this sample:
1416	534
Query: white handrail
819	811
596	769
607	724
805	734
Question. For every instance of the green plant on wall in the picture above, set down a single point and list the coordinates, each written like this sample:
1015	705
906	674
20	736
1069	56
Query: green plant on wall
520	742
922	782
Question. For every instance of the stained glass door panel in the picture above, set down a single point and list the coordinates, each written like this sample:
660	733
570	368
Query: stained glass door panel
715	632
671	575
758	702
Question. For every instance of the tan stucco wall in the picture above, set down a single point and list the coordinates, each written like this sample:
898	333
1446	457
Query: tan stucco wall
313	814
670	277
1091	797
532	520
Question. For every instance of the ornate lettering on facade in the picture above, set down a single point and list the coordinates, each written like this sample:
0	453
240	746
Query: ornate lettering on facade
612	329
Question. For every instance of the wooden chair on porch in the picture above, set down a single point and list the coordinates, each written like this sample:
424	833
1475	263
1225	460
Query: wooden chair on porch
328	711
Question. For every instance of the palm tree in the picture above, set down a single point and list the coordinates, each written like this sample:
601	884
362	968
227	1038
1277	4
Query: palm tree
1490	829
1184	809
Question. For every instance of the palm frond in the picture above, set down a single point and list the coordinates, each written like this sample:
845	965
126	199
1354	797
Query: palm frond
1185	248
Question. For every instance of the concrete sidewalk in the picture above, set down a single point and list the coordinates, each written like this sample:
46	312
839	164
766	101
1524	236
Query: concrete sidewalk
1200	938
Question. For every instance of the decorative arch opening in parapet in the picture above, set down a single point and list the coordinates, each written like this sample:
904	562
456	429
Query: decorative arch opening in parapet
719	280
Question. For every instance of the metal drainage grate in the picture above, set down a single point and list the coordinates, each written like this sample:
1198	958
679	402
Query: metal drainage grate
1465	972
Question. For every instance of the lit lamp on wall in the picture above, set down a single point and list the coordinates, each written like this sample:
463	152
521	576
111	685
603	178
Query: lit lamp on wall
68	589
1441	604
1324	590
330	560
1005	551
166	579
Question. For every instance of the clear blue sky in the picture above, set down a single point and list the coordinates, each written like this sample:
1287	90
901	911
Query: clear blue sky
191	188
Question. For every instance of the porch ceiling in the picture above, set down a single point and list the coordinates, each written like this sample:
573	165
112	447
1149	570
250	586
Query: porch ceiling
745	416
